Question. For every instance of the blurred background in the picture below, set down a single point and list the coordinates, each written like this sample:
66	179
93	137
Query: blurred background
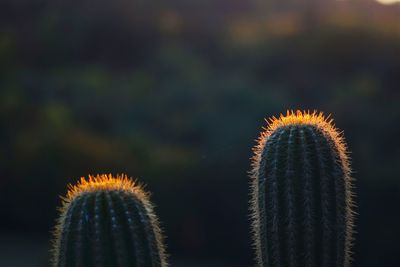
174	93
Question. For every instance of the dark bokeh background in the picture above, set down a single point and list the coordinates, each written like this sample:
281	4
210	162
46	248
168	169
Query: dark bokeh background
174	93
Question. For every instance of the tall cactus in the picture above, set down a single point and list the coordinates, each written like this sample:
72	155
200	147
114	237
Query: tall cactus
107	222
302	199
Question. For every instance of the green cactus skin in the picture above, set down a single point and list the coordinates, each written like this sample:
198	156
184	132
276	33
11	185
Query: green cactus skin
302	200
107	222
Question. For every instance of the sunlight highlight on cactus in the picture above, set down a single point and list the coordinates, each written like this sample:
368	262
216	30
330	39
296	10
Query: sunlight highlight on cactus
107	222
302	200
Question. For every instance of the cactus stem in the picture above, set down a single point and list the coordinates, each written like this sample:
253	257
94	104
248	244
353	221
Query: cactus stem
302	201
107	221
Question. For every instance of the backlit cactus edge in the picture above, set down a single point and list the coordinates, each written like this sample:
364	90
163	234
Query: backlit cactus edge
302	200
301	206
108	222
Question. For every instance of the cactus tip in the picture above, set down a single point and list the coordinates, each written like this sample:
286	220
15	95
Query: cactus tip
300	117
104	182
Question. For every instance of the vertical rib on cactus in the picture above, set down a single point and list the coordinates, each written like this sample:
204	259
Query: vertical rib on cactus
302	200
107	222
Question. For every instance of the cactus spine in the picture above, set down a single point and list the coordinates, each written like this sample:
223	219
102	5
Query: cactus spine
107	222
301	189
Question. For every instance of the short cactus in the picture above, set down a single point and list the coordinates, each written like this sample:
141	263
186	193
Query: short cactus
302	199
107	222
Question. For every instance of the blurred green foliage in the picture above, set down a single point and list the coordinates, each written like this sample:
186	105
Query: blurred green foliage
176	93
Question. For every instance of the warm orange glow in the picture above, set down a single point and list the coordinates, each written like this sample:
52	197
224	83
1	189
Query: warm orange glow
388	2
298	117
103	182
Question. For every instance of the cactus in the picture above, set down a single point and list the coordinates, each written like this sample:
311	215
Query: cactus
301	188
107	222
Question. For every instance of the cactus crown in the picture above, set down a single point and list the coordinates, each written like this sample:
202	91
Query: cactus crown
302	201
104	182
107	221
